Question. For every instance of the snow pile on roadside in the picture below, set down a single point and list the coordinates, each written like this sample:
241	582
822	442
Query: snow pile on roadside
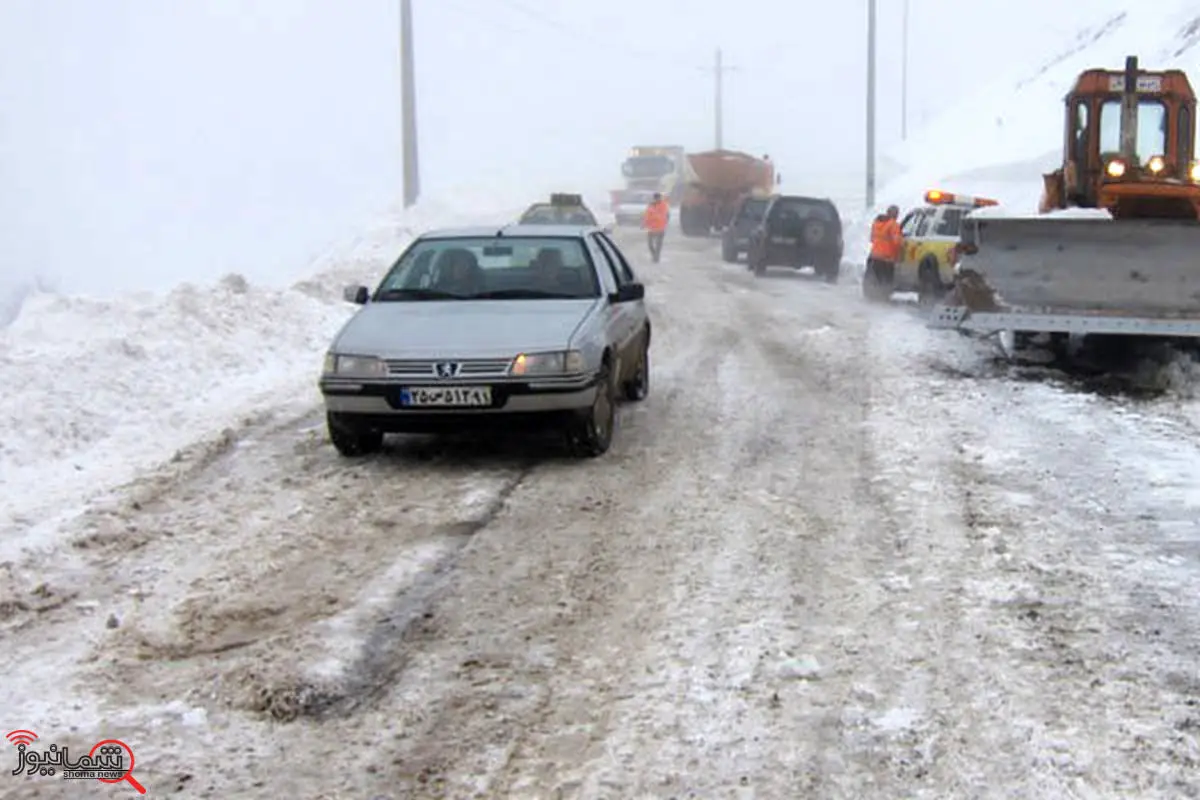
1003	211
104	388
99	389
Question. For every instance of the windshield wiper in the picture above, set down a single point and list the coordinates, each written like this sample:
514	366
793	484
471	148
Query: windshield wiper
525	294
416	294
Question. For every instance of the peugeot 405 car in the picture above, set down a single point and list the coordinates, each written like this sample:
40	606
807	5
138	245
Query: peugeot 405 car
528	324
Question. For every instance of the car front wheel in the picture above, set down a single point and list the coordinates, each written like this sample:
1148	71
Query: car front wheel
590	434
728	251
637	388
929	285
829	270
351	440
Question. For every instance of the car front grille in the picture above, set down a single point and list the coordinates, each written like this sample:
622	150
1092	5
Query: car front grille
467	368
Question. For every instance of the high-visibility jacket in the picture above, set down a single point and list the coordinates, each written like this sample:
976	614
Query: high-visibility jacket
656	217
886	239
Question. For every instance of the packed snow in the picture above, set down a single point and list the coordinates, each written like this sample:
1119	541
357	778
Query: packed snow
993	212
834	554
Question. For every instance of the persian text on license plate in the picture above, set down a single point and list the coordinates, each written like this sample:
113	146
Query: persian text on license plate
468	396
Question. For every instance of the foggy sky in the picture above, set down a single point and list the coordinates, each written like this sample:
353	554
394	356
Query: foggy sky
145	142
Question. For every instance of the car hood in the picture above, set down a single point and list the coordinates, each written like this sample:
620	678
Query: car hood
631	208
462	328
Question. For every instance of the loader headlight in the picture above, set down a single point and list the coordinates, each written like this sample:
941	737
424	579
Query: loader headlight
1156	164
1115	168
1194	172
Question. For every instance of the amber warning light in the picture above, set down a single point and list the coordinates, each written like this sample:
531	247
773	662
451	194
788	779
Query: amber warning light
939	198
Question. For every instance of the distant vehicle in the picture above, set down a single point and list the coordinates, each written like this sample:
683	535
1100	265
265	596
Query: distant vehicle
798	232
656	168
563	209
747	214
629	205
530	324
931	236
716	181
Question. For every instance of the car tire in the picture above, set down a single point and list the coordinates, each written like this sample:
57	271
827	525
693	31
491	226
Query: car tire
590	434
637	388
830	270
350	440
929	285
728	251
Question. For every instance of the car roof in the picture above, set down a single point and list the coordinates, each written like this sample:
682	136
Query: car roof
512	229
804	197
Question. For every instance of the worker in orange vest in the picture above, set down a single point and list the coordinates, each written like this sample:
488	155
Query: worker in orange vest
654	221
887	243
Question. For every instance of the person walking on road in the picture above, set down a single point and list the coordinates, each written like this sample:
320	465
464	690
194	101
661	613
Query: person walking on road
886	245
654	221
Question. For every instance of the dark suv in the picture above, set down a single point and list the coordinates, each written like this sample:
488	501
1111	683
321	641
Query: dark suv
798	232
735	240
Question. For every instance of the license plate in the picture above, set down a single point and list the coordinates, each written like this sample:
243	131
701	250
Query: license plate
468	396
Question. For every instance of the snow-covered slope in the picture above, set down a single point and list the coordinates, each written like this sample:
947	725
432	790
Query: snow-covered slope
998	142
1004	137
97	389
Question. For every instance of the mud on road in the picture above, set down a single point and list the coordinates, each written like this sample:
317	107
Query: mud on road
812	565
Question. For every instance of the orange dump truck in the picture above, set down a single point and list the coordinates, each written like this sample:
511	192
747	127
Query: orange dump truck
714	183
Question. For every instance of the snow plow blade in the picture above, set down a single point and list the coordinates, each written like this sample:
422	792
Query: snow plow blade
1077	275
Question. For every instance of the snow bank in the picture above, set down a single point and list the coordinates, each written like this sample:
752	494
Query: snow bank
1063	213
99	389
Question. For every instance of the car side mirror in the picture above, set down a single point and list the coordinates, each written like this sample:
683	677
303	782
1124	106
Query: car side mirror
356	294
628	292
608	228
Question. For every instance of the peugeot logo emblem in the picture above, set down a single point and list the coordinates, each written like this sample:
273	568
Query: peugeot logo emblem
446	369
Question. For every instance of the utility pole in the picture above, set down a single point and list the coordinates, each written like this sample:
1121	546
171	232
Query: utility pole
904	76
408	107
719	71
870	103
719	76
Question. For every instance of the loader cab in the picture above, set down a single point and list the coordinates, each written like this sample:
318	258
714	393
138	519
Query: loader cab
1132	152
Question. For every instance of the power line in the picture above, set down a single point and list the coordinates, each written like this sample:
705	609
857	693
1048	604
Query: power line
558	25
606	43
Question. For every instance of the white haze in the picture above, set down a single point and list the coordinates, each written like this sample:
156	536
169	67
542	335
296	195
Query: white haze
144	143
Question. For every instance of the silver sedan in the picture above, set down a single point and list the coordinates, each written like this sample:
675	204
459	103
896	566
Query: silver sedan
540	325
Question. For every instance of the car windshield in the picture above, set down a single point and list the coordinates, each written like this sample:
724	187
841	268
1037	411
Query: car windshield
647	166
753	210
805	209
557	215
1151	129
508	268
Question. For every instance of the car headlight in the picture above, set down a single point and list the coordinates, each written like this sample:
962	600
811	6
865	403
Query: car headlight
1194	171
559	363
1156	164
1115	168
354	366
